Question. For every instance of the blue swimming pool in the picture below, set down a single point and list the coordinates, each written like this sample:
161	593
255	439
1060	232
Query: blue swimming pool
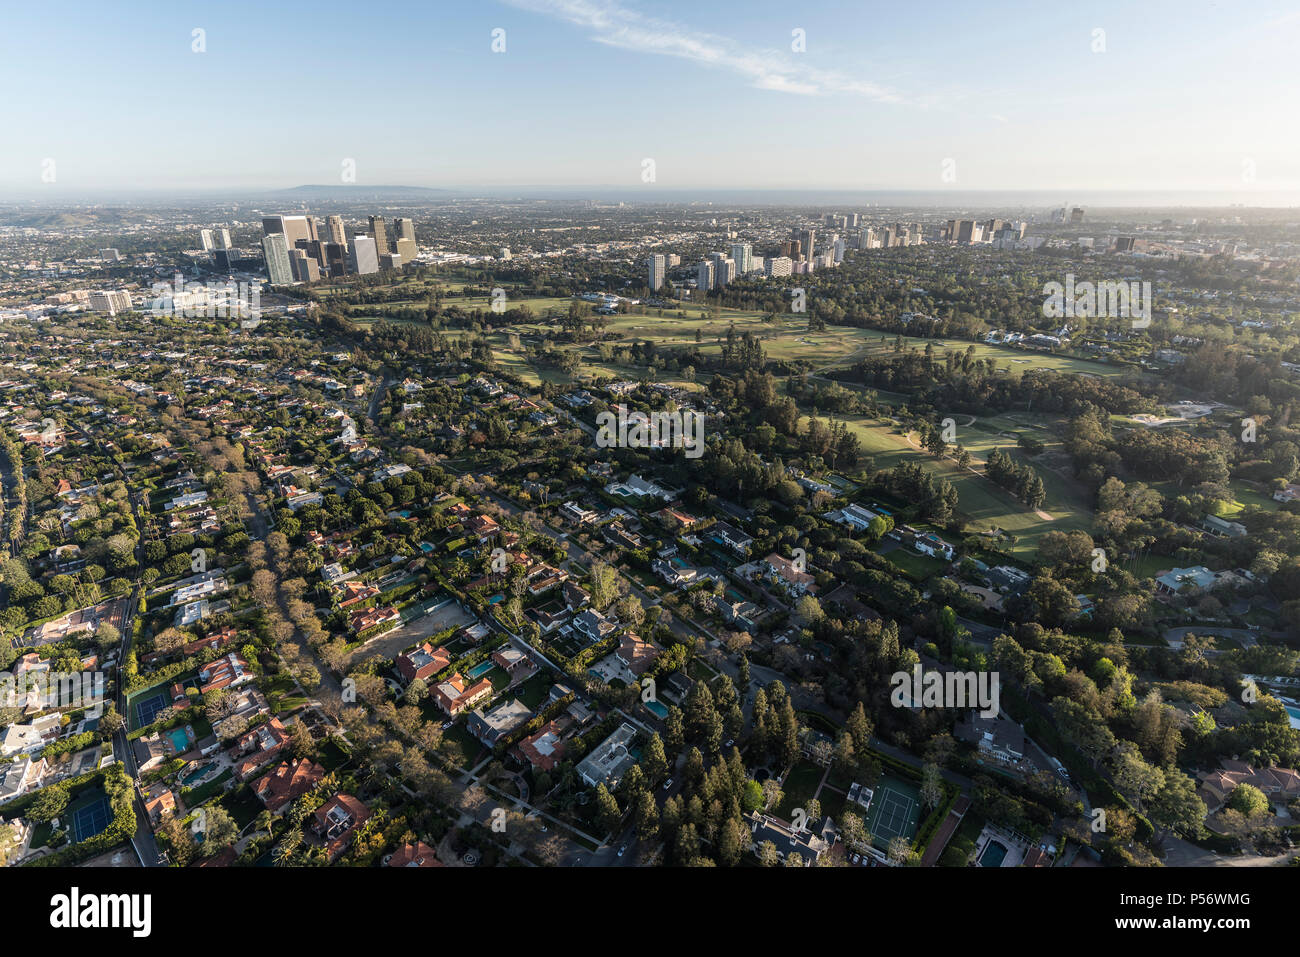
480	670
657	709
993	855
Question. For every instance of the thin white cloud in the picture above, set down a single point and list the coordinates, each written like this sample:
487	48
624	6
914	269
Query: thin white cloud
617	26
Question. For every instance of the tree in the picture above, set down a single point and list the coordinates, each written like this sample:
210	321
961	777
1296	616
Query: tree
50	803
647	816
654	760
767	854
809	609
1248	800
731	842
1175	806
608	814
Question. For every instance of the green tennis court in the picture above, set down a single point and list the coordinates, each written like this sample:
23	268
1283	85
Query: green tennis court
895	811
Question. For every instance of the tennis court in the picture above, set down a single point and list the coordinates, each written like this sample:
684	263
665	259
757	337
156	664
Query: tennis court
895	811
91	818
149	708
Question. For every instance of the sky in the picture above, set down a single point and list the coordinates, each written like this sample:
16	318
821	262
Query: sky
1000	95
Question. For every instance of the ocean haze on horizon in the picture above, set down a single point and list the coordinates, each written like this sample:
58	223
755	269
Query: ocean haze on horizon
653	195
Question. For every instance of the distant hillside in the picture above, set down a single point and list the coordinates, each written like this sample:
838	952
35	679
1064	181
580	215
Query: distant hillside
359	193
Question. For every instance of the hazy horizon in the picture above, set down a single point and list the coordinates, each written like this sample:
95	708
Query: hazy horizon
562	94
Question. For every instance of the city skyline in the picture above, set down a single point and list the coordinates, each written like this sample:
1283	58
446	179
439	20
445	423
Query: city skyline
942	99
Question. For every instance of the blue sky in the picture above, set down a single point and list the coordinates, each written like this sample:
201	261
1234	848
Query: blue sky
1186	95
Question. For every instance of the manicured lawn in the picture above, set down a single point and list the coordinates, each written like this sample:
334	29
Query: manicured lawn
799	787
918	566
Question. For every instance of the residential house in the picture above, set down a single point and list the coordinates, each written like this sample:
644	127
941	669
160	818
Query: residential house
456	694
543	749
336	820
491	726
809	846
609	760
423	662
287	782
418	854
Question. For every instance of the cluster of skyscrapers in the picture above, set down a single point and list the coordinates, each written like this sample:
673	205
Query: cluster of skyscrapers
968	231
296	252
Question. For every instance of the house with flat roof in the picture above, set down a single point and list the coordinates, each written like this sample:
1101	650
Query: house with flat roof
1174	581
609	760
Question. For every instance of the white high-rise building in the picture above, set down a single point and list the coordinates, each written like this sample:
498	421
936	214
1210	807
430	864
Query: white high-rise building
223	239
779	266
656	265
839	249
362	255
704	276
743	254
724	270
275	248
205	236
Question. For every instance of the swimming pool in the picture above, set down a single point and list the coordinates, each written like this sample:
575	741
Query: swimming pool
180	739
1293	712
657	709
993	854
197	775
479	670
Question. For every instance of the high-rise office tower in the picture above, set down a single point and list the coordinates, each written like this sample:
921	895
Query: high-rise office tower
807	242
275	247
223	239
704	276
379	233
839	250
363	258
336	259
313	248
334	226
403	228
305	266
656	264
294	228
406	248
743	254
1076	214
205	237
965	231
